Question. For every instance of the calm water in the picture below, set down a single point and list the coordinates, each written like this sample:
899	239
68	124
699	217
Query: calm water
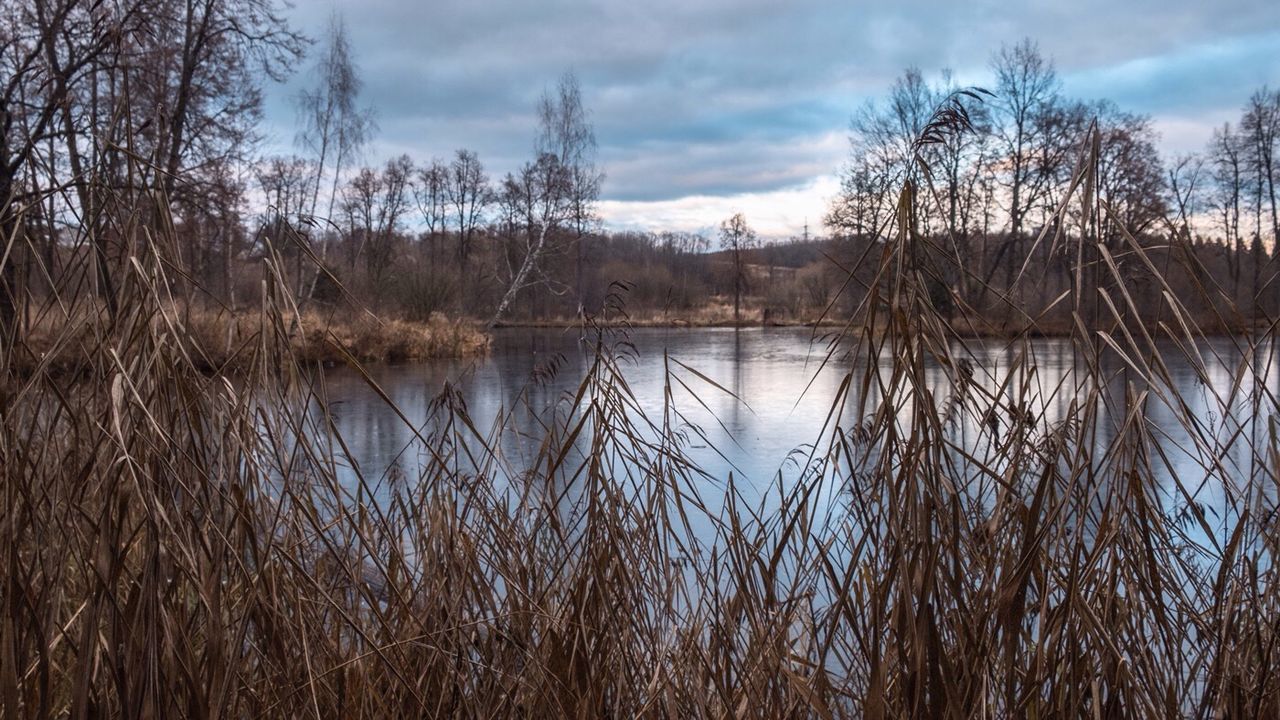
784	396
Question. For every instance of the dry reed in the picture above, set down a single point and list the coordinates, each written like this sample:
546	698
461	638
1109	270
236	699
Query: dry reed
178	544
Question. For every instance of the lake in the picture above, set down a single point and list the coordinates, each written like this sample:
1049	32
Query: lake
764	397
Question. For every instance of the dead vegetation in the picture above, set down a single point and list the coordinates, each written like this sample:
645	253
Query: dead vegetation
220	339
180	545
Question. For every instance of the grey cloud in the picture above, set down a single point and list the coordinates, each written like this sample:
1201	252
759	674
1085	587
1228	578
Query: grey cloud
730	96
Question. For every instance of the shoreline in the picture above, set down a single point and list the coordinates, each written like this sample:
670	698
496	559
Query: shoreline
968	333
224	341
218	340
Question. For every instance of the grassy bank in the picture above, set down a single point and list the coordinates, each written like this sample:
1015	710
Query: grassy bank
220	339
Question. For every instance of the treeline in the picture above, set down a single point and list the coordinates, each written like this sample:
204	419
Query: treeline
418	237
989	204
119	120
134	123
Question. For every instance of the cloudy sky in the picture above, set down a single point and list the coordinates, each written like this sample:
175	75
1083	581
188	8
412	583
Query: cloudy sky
705	108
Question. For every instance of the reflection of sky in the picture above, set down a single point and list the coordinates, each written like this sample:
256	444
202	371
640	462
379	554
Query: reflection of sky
786	401
767	369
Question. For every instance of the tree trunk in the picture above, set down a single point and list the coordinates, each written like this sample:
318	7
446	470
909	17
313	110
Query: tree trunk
518	282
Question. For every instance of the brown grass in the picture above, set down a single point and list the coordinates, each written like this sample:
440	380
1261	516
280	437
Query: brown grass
219	339
177	544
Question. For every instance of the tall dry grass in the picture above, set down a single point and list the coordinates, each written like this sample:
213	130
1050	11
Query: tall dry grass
180	544
221	340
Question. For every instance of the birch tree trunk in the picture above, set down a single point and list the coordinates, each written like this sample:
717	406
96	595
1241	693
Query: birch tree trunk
521	278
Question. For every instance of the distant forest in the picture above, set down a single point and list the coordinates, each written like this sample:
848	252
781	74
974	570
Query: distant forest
136	122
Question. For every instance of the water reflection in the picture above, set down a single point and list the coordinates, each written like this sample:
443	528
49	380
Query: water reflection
761	393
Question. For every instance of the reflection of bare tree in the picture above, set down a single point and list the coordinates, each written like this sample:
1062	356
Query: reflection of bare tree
738	389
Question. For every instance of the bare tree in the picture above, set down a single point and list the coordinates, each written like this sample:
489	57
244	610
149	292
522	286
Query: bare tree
1059	131
1260	129
48	51
565	131
195	85
540	197
881	154
396	190
374	205
1227	173
737	237
1023	162
431	195
1026	85
960	163
862	207
334	127
359	208
884	153
285	184
1130	175
1185	175
156	101
469	194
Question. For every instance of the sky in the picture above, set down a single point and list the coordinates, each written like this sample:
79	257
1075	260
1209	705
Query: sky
706	108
